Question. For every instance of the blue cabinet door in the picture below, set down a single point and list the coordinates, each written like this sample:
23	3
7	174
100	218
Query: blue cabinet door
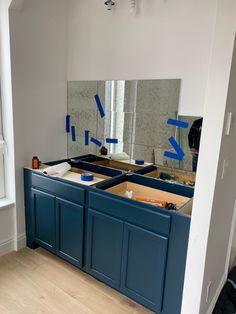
143	266
104	247
69	231
44	219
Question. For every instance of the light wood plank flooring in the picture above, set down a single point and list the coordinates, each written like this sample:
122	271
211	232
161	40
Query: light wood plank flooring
39	282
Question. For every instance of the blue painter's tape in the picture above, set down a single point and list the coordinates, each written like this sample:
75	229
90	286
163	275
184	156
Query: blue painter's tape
111	140
96	142
180	124
99	105
73	134
86	142
139	162
68	124
179	155
87	177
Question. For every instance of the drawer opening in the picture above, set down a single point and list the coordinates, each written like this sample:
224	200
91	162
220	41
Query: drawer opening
98	175
148	195
74	175
117	165
166	174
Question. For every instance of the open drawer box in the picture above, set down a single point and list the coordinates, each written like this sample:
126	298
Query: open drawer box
169	174
78	167
124	166
151	192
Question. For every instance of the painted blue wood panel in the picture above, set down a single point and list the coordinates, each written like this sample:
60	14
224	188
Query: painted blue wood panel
69	231
130	211
74	159
29	210
44	219
96	168
104	247
163	185
71	192
150	182
146	169
175	267
143	266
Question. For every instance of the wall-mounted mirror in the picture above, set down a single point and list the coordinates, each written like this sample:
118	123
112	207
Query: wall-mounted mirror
129	120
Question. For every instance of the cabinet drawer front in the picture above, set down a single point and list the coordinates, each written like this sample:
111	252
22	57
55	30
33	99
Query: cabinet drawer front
64	190
104	247
44	219
69	222
143	266
135	214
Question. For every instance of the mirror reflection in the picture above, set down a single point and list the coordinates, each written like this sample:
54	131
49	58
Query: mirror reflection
132	122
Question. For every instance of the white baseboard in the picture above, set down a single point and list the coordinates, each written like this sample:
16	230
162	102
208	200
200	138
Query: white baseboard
216	296
21	241
7	246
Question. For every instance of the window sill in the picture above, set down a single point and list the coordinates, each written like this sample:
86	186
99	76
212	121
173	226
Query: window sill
5	203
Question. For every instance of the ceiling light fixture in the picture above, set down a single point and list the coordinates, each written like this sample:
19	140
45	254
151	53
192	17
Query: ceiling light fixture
110	4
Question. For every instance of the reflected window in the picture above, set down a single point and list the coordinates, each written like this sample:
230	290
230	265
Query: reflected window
115	118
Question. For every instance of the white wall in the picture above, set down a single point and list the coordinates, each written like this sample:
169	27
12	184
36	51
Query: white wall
7	229
7	214
224	197
213	208
167	39
39	73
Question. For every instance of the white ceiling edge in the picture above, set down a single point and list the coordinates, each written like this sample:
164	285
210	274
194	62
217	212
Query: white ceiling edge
17	4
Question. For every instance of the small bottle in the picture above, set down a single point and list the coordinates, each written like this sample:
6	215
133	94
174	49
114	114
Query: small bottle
35	163
103	151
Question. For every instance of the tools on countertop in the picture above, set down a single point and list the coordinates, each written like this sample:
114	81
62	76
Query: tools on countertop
156	202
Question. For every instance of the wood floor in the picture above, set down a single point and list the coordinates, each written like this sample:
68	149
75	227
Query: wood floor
39	282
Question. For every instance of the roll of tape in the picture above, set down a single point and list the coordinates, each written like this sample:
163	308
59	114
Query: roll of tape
87	176
139	162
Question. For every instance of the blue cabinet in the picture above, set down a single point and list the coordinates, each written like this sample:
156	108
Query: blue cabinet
136	248
58	226
104	247
69	231
143	266
154	242
44	219
127	257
